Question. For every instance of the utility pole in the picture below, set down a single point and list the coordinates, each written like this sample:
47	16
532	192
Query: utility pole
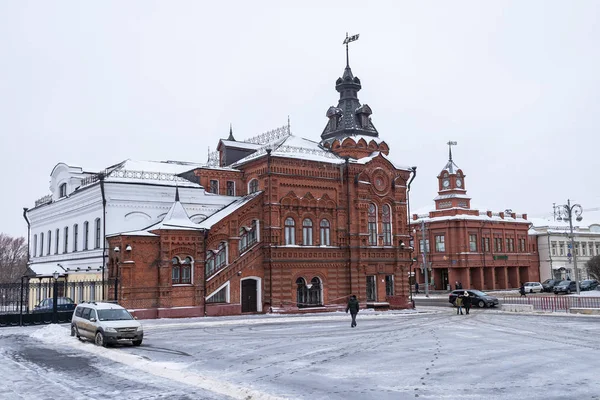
425	266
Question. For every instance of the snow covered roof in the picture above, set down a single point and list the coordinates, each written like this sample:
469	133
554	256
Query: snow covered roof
451	167
369	158
294	147
44	269
176	218
153	172
483	216
240	145
227	210
452	196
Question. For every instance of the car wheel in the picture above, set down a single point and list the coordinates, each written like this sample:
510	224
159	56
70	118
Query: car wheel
481	304
74	331
137	342
99	340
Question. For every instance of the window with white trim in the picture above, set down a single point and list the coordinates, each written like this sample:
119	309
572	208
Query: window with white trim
307	232
97	241
56	241
253	186
35	245
41	244
386	220
62	190
325	233
49	243
230	188
290	231
214	186
440	243
86	235
66	240
372	222
75	236
181	271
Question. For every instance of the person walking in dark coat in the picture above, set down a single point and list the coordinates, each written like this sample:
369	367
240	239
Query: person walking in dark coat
353	308
522	290
466	301
416	287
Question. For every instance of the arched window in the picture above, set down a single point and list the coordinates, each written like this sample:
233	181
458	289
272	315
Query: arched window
97	241
75	236
35	245
243	243
372	225
56	241
386	219
290	231
62	190
307	232
210	263
181	271
248	236
325	241
41	244
49	243
253	186
86	235
176	271
314	292
301	293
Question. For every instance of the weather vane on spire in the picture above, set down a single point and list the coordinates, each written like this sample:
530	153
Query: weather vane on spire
346	41
450	144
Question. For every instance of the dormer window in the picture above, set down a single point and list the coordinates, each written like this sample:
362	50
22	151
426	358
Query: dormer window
62	190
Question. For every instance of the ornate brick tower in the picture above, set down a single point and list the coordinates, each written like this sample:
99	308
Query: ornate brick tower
451	186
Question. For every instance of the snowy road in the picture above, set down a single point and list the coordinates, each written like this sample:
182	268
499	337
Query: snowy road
408	355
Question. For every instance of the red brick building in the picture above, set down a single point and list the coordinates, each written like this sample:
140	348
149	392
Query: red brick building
309	224
482	250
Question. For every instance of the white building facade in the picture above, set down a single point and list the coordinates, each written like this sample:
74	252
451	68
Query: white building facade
555	252
67	229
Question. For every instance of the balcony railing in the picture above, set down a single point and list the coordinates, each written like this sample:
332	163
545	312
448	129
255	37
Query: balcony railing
43	200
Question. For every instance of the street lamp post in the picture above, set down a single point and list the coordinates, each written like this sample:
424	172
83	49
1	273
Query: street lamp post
563	213
55	275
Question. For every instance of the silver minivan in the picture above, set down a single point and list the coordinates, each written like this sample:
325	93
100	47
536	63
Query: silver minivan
105	323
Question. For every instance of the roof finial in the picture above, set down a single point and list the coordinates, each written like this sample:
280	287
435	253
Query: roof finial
231	133
289	132
176	193
346	41
450	144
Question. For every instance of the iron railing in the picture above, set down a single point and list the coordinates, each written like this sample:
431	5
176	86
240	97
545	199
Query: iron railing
554	303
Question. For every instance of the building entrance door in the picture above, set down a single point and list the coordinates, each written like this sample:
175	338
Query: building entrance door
249	295
444	278
371	288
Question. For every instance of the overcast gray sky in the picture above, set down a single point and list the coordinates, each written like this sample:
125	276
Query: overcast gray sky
516	83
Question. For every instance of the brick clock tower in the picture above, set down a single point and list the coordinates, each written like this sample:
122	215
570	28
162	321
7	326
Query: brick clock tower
480	249
452	192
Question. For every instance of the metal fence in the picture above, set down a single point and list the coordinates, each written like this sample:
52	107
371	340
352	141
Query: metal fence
27	302
554	303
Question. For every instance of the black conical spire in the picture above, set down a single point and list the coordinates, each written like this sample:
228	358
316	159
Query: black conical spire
176	193
231	134
349	117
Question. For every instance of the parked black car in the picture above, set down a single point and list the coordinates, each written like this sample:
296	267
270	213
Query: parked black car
478	298
47	305
548	284
588	284
567	287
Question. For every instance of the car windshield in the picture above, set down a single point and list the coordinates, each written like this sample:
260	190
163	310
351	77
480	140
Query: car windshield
547	281
564	283
113	315
587	281
478	293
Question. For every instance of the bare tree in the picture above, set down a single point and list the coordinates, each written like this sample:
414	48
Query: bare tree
13	258
593	267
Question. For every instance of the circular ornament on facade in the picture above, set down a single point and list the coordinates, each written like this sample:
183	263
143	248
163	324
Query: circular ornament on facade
380	181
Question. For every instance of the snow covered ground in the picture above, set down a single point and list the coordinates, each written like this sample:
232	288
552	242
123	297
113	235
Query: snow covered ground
433	354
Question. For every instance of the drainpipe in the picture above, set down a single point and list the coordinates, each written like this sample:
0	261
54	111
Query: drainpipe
348	220
204	272
25	209
414	174
101	178
270	230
